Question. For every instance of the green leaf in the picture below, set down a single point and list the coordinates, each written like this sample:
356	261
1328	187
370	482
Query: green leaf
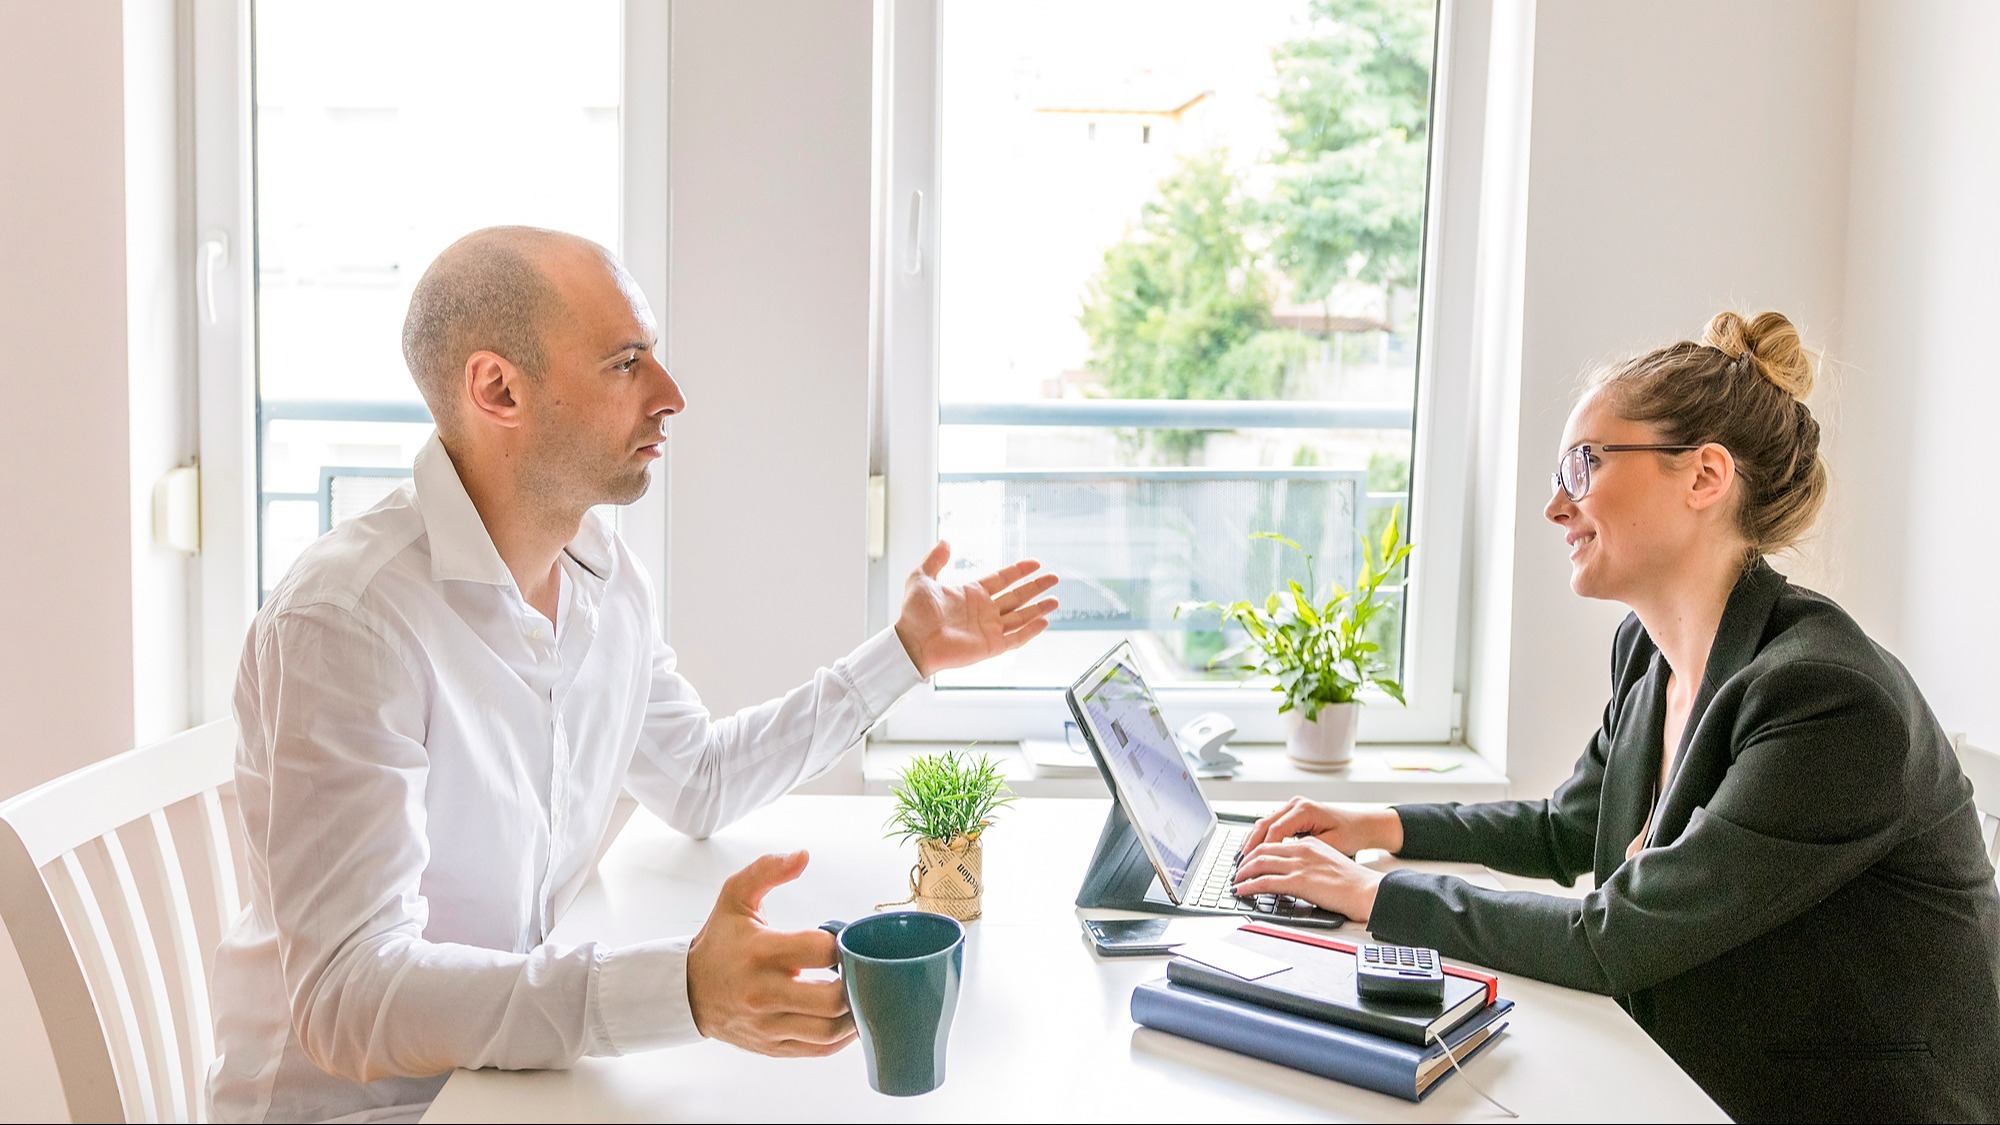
1272	535
1321	654
1304	606
941	796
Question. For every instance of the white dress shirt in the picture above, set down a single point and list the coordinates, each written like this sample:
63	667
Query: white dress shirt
426	766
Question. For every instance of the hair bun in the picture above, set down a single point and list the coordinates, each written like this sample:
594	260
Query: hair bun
1776	352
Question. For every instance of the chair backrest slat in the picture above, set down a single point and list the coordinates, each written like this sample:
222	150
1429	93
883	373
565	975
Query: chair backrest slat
125	916
117	882
221	859
190	971
92	938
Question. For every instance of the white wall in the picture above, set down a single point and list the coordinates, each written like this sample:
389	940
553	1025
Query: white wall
95	652
1685	156
66	667
66	682
1918	533
767	329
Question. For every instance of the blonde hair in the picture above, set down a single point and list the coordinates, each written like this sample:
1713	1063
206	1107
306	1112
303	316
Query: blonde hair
1742	387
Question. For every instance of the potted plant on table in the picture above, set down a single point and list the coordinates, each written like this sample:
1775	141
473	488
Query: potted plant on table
1319	651
945	802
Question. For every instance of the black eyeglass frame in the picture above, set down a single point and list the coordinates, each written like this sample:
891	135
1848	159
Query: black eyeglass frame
1586	449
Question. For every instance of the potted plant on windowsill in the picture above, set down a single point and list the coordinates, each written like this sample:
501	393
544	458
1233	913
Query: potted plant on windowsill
1319	652
946	802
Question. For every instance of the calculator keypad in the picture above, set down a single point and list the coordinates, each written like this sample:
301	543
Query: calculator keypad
1399	972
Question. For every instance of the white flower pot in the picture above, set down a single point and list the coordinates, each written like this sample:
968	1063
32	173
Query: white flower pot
1326	743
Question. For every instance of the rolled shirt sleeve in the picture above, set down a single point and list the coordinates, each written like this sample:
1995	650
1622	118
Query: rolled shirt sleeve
699	773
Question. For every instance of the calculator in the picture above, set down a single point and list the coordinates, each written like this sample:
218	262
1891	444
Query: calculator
1398	972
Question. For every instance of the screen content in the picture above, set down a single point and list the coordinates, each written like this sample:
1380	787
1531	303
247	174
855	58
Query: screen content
1161	796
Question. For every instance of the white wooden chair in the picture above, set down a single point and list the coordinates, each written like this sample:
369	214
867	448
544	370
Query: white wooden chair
117	883
1982	768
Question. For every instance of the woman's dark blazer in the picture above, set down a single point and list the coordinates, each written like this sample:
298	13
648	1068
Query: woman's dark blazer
1812	931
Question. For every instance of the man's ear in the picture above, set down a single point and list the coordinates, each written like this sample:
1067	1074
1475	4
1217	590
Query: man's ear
1714	473
493	387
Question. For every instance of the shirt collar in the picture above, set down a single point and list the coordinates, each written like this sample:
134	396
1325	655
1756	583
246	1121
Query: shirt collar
461	549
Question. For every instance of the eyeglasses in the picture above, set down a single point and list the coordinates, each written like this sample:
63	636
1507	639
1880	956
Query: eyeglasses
1572	475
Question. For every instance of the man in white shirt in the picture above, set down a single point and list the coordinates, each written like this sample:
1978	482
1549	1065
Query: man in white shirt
442	700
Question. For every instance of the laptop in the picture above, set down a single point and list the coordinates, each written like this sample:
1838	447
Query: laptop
1193	852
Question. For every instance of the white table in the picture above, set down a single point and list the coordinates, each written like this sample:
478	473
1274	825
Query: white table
1043	1030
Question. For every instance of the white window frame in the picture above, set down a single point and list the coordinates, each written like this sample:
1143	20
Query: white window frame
225	336
905	453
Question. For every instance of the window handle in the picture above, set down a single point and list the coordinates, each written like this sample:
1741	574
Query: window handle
913	262
214	257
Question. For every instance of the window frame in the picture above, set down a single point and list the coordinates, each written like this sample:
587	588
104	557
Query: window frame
905	450
223	268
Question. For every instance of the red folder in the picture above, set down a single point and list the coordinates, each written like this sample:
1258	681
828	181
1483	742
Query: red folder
1307	937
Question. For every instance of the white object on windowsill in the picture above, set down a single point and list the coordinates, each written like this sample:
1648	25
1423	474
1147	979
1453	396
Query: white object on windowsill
1056	758
1203	741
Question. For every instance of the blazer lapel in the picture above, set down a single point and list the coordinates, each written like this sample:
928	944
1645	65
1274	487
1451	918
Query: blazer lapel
1703	756
1629	772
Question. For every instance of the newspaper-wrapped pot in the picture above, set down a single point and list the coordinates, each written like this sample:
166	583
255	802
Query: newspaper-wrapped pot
947	879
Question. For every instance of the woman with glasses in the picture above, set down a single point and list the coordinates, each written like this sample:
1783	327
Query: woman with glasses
1792	896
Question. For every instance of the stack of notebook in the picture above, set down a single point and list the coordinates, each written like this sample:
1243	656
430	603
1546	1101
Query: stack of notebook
1289	996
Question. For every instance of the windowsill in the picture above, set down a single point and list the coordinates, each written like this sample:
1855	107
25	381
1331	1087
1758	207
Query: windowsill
1265	775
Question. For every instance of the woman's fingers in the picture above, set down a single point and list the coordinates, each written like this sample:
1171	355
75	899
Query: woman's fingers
1301	818
1276	826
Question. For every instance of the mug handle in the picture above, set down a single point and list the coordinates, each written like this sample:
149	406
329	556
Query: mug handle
834	928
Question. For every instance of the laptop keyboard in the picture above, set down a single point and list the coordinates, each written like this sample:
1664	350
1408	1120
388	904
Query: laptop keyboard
1212	892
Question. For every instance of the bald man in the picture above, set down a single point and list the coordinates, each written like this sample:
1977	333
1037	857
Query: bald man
442	700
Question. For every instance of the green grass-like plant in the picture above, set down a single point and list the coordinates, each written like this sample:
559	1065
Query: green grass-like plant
1319	653
943	796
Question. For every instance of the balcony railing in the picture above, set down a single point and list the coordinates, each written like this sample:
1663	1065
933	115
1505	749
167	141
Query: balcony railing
1180	414
1132	543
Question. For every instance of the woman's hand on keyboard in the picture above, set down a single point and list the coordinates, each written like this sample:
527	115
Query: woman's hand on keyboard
1346	830
1309	868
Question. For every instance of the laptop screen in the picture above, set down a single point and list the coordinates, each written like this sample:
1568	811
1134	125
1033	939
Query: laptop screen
1159	794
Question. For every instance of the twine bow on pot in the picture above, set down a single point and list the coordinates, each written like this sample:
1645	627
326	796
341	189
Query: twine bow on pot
946	878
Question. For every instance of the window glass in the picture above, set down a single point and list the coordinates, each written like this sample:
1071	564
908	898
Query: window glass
374	151
1180	246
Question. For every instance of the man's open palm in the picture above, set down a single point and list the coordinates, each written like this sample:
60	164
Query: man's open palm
950	626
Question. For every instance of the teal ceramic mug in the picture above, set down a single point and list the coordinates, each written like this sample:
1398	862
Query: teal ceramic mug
902	971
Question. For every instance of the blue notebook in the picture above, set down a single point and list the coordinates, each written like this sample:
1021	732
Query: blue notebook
1344	1054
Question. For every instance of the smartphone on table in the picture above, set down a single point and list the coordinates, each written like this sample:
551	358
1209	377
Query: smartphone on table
1149	937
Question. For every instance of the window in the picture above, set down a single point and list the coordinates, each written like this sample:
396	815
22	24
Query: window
345	144
1160	280
372	153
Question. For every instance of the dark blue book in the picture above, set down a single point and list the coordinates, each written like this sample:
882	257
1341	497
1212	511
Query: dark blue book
1345	1054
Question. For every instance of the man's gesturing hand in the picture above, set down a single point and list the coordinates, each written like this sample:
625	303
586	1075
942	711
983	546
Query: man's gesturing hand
950	626
743	977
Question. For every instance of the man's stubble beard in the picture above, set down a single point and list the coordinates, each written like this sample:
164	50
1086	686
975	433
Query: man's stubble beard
566	479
